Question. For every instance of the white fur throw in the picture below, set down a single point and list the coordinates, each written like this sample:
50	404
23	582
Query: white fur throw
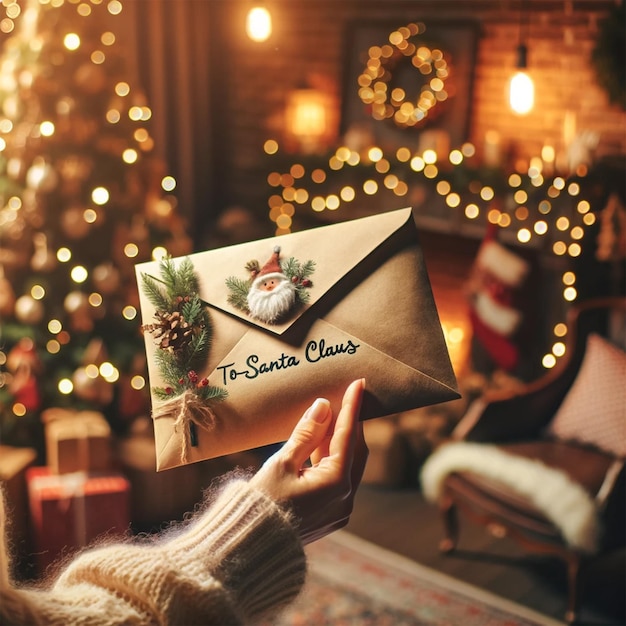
565	503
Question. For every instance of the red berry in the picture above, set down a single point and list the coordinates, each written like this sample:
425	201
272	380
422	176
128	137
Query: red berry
306	283
294	280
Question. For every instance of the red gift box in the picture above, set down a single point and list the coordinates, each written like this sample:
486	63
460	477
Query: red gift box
70	511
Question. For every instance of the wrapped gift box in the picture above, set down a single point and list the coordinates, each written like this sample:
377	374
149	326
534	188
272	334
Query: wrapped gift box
164	496
160	497
13	465
69	511
77	441
157	496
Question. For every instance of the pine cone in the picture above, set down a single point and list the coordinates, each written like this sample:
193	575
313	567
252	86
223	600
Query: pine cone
171	332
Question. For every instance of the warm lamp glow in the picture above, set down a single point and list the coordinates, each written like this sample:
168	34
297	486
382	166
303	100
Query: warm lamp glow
259	24
308	122
457	333
521	93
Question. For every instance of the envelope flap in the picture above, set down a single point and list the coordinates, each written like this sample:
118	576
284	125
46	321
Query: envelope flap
335	250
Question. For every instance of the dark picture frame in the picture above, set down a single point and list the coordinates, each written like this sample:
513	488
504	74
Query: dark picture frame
447	122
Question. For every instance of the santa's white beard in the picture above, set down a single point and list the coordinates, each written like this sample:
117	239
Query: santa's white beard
269	306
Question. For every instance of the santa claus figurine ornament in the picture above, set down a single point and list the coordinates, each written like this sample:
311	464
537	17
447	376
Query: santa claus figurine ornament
274	290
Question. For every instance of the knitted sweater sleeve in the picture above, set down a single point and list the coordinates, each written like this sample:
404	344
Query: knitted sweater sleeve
237	561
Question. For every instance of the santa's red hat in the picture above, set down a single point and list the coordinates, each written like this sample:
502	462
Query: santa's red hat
273	264
271	269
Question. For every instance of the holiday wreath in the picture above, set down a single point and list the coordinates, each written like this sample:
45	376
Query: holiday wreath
376	81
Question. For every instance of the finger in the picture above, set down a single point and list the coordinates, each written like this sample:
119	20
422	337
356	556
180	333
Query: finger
361	453
323	450
308	434
344	436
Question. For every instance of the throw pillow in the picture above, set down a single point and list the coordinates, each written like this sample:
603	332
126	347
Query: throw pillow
594	409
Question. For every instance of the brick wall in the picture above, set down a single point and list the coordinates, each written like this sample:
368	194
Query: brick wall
309	41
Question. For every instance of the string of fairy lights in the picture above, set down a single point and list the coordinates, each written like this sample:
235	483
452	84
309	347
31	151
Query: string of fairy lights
533	204
534	201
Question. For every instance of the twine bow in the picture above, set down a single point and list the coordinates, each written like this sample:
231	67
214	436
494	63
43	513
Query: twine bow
188	411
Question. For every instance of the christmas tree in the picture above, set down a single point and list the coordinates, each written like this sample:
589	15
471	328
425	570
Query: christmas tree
82	200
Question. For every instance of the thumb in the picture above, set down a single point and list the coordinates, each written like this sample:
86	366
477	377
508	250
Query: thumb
308	433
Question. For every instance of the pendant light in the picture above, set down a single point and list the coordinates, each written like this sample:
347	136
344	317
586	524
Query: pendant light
521	87
258	23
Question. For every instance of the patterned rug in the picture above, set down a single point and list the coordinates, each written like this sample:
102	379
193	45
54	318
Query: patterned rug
353	582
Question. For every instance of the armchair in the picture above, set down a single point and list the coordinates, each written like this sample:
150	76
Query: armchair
546	466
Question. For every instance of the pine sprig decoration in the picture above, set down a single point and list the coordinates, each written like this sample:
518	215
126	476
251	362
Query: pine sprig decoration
238	295
308	268
302	294
299	274
154	292
177	282
192	311
199	347
183	331
290	267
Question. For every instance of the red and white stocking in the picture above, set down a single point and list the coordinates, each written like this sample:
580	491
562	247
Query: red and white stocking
494	286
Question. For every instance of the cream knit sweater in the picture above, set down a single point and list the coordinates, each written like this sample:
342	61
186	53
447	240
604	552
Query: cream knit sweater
237	561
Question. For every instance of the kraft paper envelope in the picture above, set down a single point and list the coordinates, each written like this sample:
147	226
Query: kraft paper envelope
370	313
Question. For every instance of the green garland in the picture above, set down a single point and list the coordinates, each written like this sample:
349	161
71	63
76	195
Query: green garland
607	56
183	331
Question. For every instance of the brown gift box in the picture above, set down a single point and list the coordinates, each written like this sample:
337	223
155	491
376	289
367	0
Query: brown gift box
70	511
370	314
164	496
76	441
157	496
13	465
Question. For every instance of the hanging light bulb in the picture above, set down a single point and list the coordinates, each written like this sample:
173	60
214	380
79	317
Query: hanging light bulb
258	23
521	87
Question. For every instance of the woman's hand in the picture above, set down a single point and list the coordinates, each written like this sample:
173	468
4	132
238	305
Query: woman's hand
322	494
